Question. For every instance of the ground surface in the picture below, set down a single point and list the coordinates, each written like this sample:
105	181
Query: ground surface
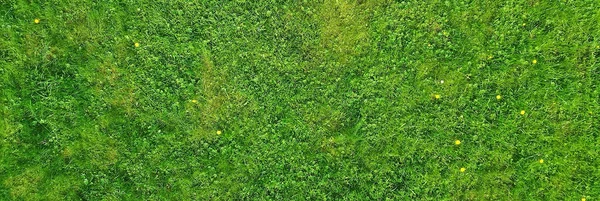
313	100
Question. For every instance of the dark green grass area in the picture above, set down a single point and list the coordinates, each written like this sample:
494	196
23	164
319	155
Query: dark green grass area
314	100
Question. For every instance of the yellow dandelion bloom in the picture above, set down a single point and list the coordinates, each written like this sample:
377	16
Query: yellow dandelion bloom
457	142
437	96
136	44
541	160
582	199
534	61
463	169
218	132
498	97
194	101
522	112
36	20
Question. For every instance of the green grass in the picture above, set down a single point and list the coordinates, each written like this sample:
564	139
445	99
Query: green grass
316	100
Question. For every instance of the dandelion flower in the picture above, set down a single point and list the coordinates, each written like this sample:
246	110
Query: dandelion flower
498	97
194	101
219	132
457	142
136	44
437	96
36	20
541	160
463	169
583	199
534	61
522	112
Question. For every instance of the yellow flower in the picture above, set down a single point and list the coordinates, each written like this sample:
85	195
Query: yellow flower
522	112
498	97
194	101
457	142
463	169
524	24
541	160
534	61
136	44
218	132
583	199
36	20
437	96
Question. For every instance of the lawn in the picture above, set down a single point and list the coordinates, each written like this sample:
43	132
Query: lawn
300	100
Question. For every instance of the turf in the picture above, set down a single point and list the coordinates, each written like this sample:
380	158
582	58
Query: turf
299	100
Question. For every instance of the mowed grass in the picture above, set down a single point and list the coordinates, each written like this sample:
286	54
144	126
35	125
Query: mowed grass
299	100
